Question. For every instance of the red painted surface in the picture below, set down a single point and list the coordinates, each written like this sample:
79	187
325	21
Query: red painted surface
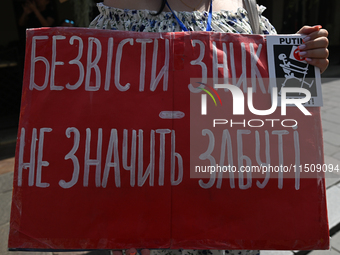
121	212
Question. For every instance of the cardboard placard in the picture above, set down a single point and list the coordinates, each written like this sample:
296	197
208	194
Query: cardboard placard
110	131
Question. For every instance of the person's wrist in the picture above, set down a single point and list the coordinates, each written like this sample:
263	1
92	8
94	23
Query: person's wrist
36	11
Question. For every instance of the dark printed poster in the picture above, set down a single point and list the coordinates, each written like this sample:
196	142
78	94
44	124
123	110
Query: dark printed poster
287	69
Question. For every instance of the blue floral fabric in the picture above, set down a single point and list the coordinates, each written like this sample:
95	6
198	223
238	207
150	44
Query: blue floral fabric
145	21
204	252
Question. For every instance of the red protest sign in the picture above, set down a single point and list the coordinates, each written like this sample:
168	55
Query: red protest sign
111	133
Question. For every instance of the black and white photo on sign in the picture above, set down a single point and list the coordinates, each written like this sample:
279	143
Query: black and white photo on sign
288	70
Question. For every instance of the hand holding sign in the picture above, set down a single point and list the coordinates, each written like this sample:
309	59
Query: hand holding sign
314	49
131	251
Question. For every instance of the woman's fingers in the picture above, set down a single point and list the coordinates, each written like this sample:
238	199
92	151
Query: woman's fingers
317	57
315	53
306	30
319	42
131	251
316	34
117	252
314	47
145	252
320	63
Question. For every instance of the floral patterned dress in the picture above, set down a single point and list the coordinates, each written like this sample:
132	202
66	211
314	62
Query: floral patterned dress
145	21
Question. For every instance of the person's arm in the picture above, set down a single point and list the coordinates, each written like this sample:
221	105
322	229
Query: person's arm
24	17
314	49
45	22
